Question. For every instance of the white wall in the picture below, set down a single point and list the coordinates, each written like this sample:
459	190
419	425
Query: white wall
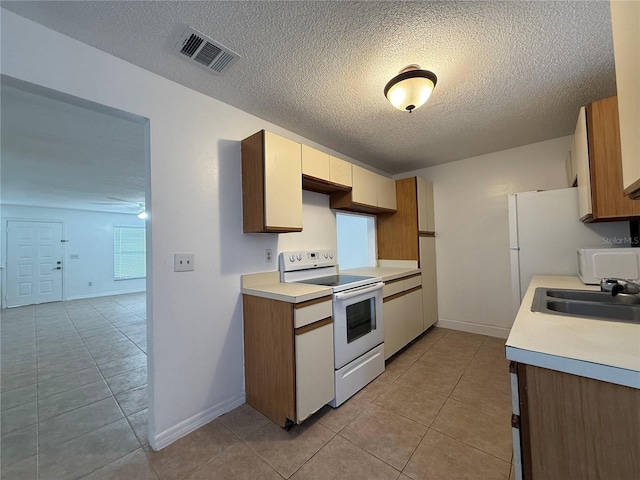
472	229
195	332
89	235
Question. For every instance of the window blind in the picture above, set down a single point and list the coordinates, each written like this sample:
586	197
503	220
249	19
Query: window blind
129	252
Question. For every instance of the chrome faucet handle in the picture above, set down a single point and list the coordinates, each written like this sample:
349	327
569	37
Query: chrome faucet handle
619	285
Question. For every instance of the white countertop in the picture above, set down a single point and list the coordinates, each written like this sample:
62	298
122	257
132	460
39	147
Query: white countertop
267	284
288	292
599	349
386	273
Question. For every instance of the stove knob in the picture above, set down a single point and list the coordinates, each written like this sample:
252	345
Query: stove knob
326	255
331	256
292	258
299	257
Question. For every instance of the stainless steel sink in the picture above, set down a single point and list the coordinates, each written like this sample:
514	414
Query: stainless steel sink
581	303
588	296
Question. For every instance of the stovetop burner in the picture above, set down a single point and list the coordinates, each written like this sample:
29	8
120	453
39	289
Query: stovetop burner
335	280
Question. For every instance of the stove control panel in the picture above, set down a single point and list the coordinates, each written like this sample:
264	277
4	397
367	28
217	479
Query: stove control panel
291	261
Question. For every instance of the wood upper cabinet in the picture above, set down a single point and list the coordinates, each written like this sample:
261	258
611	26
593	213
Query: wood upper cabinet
601	195
397	233
288	357
572	427
371	193
625	26
323	173
271	184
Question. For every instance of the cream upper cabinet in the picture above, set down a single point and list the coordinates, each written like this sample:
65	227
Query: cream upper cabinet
386	193
580	150
426	219
340	172
271	184
323	173
365	186
625	25
315	163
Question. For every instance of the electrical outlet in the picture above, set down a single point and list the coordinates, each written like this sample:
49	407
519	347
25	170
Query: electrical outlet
183	262
268	256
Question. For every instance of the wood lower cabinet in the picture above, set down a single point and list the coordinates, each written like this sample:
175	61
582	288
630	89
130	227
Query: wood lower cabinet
596	148
403	319
288	356
571	427
271	184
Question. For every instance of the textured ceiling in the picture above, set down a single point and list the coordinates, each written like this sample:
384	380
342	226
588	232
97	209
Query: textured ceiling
58	154
509	73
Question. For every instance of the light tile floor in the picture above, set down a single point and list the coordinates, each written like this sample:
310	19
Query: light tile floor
73	386
441	410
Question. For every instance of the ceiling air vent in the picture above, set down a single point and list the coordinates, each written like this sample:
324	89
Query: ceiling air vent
204	51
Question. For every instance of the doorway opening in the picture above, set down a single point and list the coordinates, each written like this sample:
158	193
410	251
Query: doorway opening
74	255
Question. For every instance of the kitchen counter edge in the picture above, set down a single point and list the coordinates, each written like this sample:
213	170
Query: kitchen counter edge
566	344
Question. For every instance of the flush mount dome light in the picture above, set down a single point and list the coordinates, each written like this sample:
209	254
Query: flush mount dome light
411	88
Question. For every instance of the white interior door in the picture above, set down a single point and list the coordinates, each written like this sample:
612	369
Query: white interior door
34	262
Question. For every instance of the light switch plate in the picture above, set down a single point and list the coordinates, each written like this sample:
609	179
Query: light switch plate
183	262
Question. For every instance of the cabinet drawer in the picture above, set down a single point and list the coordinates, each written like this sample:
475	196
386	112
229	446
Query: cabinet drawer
311	313
412	282
392	288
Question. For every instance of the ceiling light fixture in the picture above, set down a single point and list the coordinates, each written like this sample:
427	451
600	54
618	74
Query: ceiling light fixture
411	88
142	214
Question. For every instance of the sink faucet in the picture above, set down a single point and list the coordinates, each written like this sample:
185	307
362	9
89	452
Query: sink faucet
619	285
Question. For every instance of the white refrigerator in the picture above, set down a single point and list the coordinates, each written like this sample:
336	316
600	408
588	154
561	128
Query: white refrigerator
545	233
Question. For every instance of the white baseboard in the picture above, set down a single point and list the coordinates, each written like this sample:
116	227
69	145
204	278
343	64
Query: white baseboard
490	330
178	431
105	294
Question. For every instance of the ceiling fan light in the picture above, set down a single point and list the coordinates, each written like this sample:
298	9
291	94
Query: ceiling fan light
411	88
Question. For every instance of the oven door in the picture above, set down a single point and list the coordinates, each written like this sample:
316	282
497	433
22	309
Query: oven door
357	322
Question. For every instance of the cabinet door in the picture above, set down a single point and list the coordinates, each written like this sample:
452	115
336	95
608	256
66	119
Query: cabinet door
386	197
283	183
340	172
315	163
426	222
364	187
314	370
413	314
395	332
429	281
625	25
581	152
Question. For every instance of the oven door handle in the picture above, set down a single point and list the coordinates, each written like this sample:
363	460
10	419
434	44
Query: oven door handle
358	291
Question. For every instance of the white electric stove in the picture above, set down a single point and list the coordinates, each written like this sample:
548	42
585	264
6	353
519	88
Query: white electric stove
358	327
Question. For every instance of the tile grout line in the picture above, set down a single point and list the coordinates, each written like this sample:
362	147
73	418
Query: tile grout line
112	396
